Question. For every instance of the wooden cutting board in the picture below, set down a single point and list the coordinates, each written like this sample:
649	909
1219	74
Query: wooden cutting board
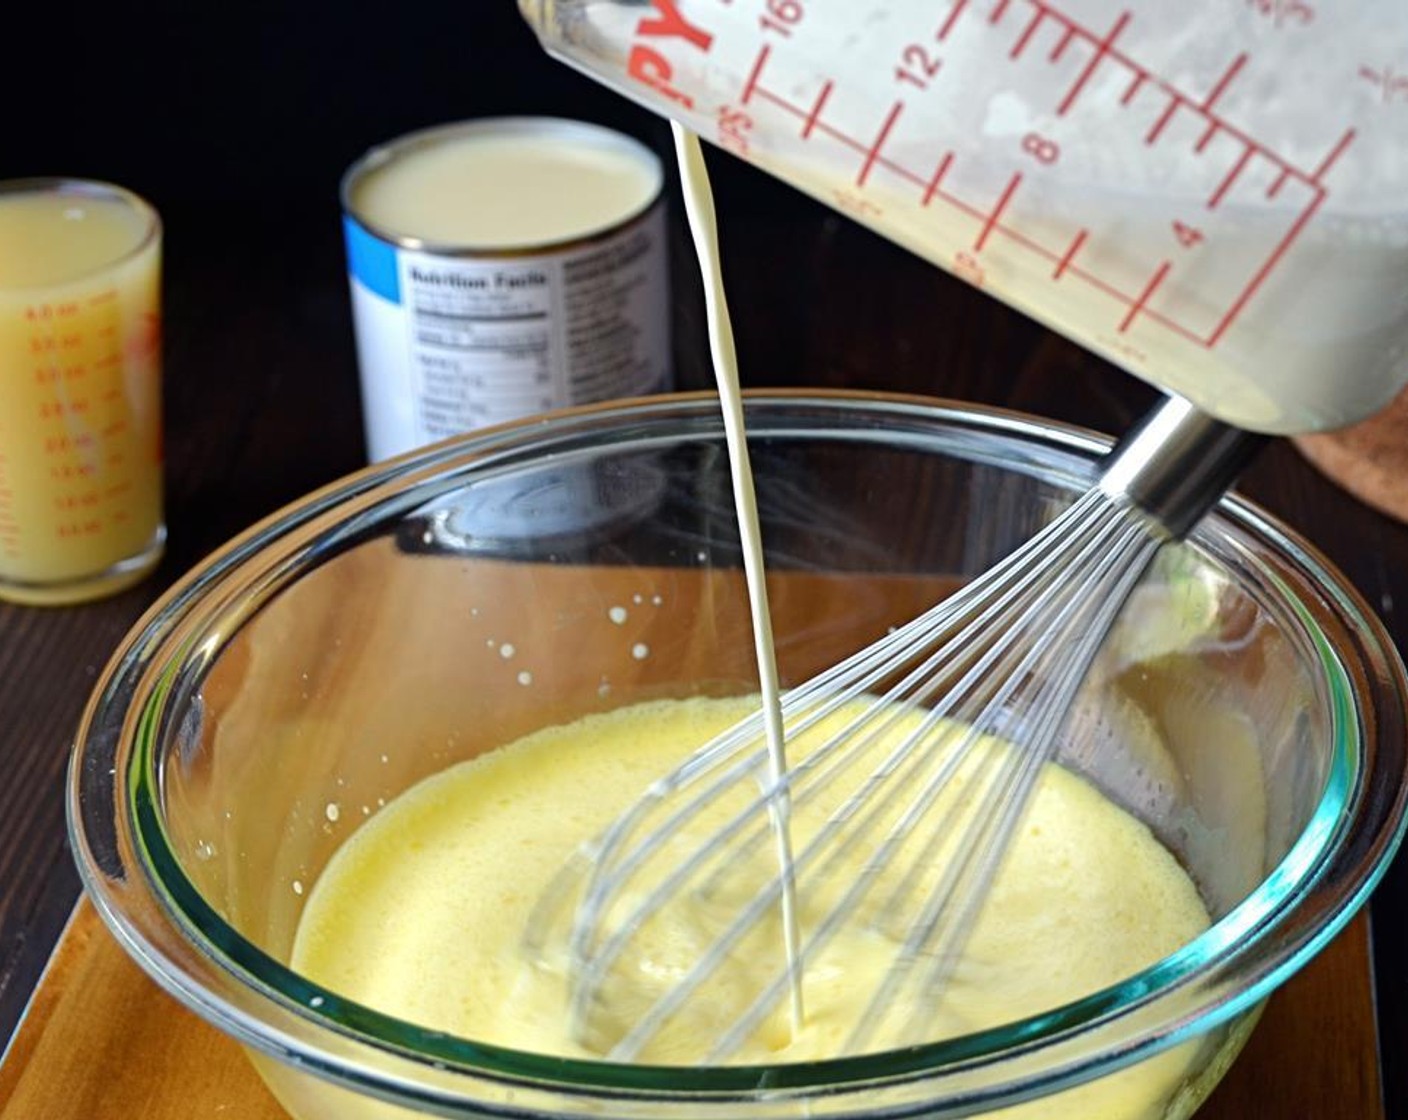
101	1042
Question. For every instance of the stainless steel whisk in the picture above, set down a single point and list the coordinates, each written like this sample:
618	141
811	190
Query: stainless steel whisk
1003	656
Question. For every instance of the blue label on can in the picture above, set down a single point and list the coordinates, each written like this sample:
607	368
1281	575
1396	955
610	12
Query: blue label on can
372	261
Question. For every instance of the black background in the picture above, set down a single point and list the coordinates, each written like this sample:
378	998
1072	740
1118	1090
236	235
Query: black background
239	105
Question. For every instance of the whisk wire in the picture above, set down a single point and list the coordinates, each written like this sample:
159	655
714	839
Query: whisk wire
1003	795
1002	812
960	870
752	912
999	696
861	671
1099	535
876	663
932	741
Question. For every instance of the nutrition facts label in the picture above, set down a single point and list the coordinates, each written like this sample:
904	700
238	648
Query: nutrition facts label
494	340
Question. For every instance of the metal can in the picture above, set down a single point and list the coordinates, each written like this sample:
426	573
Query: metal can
500	268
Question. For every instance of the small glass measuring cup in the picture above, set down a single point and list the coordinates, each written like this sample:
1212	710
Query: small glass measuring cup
1209	194
80	390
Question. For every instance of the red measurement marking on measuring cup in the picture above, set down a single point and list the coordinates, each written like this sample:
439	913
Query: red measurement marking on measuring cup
1160	274
991	222
1284	13
879	142
1031	36
954	13
1070	253
817	106
1390	83
932	187
1102	49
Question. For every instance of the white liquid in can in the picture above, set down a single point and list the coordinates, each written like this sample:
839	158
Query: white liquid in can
501	268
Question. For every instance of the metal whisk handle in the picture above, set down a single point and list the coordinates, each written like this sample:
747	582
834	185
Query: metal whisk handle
1177	463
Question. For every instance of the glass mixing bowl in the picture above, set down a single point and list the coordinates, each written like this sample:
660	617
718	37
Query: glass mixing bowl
432	608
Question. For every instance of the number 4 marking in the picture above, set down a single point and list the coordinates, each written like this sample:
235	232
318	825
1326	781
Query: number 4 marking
1188	236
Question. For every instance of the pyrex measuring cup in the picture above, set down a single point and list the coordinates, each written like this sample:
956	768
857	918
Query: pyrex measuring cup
1213	195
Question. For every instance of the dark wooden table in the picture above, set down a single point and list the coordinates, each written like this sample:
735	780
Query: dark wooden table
262	406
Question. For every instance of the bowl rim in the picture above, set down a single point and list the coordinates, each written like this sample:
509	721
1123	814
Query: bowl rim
174	622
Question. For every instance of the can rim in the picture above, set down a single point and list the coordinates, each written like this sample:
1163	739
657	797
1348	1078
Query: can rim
381	155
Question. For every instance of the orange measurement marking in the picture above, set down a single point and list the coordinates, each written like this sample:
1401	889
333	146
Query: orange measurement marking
1334	154
997	210
1231	177
1153	134
1265	270
817	106
755	73
938	177
874	152
1149	289
1223	82
1066	258
1021	44
1102	48
1060	48
954	13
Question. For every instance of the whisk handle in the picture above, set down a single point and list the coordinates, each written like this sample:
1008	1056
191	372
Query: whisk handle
1177	462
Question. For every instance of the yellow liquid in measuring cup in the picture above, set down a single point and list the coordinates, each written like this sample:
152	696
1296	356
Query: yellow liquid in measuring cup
80	447
422	911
